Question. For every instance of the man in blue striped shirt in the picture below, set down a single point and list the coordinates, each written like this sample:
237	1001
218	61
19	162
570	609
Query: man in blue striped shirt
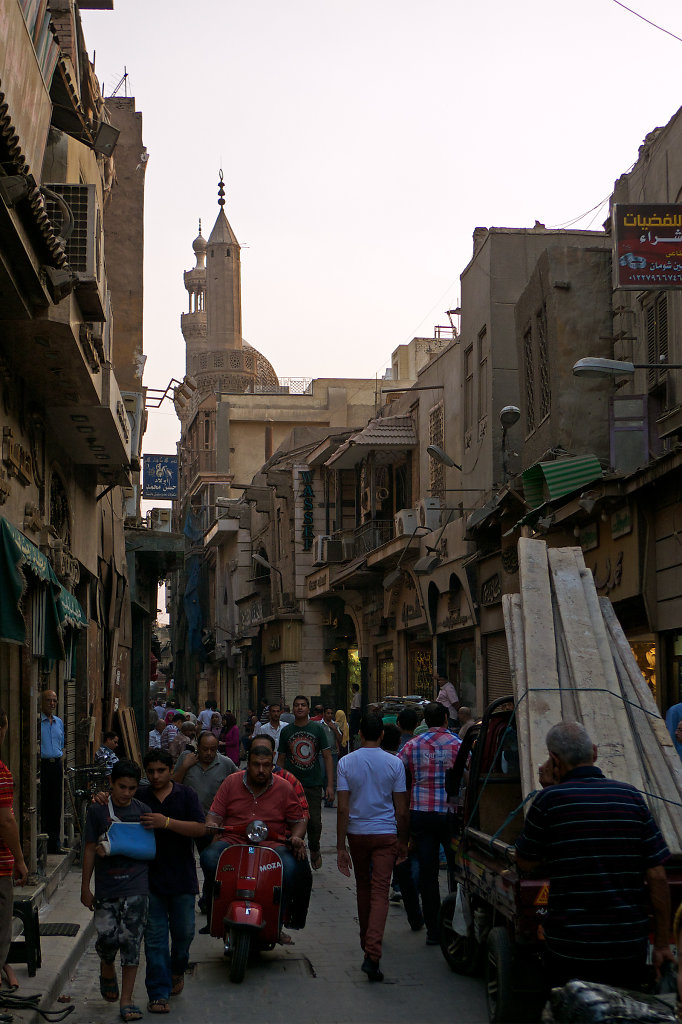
602	850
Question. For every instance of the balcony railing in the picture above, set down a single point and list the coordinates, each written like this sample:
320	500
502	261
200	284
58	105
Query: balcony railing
365	538
203	462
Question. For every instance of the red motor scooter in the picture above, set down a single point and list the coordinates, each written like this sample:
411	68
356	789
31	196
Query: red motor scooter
247	899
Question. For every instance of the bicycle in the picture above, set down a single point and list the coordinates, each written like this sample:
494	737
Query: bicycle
83	782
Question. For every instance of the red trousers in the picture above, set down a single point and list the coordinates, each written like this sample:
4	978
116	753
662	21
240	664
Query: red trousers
373	859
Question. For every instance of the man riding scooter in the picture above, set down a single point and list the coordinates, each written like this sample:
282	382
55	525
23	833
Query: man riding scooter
257	794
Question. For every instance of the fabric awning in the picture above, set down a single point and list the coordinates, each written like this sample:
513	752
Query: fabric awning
58	607
70	611
547	481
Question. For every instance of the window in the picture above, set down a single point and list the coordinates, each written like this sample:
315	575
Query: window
529	376
483	347
656	329
468	387
543	363
629	432
436	468
386	675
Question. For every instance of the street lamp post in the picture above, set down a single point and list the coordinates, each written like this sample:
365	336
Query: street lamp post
593	366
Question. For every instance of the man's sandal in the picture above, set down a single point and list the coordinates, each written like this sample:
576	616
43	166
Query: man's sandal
178	984
158	1006
131	1012
108	988
316	861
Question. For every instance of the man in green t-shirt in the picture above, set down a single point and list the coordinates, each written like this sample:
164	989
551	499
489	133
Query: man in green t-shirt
299	746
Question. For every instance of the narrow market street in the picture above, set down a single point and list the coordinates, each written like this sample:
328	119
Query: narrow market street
318	979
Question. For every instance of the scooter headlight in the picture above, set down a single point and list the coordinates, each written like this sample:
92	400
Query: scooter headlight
256	831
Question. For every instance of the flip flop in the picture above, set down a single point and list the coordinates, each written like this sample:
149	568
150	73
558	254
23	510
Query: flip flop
285	939
131	1012
178	984
158	1006
108	988
316	861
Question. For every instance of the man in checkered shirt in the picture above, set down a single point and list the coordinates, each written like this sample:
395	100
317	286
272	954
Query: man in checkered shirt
427	757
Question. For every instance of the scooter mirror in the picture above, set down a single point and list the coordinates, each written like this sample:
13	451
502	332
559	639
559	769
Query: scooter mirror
257	831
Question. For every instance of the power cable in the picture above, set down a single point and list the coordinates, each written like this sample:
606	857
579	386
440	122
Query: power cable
652	23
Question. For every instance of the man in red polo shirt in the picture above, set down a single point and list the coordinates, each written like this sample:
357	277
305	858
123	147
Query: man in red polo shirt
258	795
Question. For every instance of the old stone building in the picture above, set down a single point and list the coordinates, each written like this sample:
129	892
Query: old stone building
72	391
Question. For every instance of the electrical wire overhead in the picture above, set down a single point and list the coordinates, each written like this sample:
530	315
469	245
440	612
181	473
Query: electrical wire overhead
652	23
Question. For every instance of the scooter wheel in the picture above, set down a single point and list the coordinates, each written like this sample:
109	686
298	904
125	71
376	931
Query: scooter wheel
240	944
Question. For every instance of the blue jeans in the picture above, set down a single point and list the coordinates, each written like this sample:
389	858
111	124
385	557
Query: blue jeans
429	830
296	879
174	916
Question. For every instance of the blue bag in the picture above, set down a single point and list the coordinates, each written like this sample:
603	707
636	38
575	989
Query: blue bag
128	839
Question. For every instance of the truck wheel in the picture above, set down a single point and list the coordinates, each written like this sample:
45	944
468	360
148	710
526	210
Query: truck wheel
240	942
461	952
499	978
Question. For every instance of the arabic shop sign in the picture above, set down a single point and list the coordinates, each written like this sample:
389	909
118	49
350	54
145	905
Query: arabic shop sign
308	495
647	246
160	479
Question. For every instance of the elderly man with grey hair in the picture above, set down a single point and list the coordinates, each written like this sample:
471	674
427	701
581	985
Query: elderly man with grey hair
603	852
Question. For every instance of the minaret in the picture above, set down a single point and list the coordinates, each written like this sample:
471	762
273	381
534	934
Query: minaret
217	356
223	282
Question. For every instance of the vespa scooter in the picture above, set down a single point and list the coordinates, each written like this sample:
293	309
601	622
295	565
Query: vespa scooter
247	899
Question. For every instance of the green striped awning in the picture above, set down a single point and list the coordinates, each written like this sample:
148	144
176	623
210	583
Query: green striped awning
549	480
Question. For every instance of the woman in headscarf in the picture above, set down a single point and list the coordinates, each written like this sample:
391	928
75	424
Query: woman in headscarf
342	722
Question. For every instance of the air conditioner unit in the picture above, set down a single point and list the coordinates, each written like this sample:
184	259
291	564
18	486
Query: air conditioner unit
332	550
84	248
137	418
161	519
406	521
428	512
320	550
102	332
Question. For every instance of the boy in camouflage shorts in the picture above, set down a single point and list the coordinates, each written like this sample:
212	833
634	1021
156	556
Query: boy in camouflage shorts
121	898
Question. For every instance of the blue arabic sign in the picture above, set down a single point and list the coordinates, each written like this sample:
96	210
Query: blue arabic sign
160	479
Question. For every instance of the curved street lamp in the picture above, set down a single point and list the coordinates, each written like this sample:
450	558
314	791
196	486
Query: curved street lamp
434	451
593	366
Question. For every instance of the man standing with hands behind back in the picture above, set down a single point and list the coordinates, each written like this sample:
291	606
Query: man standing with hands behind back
51	771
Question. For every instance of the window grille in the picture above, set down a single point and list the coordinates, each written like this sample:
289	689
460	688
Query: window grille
482	373
437	436
543	364
468	387
529	375
656	320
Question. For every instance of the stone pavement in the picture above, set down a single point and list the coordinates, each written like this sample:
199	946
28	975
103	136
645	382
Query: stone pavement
319	976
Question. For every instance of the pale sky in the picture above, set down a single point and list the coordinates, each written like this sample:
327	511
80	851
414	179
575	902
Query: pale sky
362	141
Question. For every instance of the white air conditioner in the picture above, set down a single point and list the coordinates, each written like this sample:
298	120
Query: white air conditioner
406	521
84	247
161	519
102	332
428	512
320	550
137	418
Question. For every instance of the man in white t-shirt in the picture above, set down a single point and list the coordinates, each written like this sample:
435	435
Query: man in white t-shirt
373	812
205	716
273	727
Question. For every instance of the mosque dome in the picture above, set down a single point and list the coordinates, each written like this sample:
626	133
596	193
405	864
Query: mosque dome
265	373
